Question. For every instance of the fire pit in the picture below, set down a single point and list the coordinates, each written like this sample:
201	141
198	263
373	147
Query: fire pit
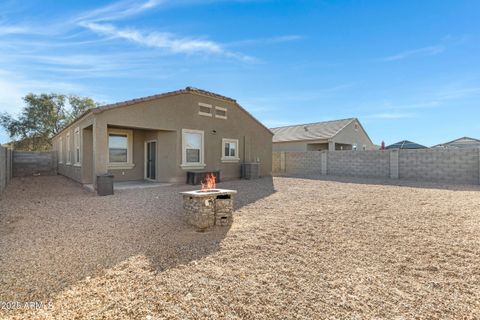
209	206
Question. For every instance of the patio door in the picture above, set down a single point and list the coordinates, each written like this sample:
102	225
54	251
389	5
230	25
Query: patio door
150	160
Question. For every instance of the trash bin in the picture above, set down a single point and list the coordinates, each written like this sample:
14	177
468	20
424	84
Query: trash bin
105	184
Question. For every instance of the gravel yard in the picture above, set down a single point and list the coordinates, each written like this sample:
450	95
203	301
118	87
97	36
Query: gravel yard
298	248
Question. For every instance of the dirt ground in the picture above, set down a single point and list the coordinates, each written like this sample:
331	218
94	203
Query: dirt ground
298	248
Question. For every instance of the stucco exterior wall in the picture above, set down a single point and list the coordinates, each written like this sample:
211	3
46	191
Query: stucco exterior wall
163	120
350	135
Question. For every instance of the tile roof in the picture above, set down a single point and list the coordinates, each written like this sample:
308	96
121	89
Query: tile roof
310	131
460	143
405	144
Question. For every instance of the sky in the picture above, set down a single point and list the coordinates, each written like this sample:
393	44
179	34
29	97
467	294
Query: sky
407	69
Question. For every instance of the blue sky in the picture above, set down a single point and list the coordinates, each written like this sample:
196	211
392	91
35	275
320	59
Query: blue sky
406	69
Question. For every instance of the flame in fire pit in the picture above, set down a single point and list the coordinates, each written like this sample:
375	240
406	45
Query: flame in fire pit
209	182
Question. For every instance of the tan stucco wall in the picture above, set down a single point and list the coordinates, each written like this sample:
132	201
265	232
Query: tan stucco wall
163	120
351	136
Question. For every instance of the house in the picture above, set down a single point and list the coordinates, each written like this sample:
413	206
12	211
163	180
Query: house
163	136
405	144
345	134
460	143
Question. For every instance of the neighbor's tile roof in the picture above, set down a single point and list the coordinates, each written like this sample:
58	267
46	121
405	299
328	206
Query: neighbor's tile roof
460	143
310	131
405	144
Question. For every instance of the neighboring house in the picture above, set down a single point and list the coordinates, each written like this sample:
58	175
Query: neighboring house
460	143
405	144
161	137
345	134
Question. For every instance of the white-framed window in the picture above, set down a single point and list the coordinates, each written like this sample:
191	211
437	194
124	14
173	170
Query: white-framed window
205	109
76	146
192	149
60	150
120	149
220	113
69	154
354	147
230	150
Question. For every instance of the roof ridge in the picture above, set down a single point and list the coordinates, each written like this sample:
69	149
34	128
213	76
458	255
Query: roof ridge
306	124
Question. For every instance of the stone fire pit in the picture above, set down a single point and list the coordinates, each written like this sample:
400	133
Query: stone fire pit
210	207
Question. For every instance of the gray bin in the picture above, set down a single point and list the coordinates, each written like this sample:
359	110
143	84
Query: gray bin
250	170
105	184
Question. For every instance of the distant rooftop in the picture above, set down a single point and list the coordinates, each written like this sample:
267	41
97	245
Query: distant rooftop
310	131
460	143
405	144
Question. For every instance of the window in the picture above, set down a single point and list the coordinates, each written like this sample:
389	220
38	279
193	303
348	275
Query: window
205	109
192	149
120	149
230	150
354	147
76	145
60	150
69	156
364	147
220	113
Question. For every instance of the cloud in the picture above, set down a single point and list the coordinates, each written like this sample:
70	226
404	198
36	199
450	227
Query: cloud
390	115
421	52
164	40
263	41
118	10
7	30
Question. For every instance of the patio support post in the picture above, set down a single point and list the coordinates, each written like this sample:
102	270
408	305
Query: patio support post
331	146
100	149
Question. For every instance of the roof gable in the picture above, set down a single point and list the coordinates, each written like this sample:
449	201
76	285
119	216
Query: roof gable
187	90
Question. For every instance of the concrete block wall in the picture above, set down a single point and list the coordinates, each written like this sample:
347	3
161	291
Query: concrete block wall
450	165
375	163
5	167
431	165
300	163
28	163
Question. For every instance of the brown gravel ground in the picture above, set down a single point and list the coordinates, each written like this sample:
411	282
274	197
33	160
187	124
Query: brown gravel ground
298	248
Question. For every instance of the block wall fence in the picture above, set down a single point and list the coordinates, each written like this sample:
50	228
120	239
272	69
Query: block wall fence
460	166
5	167
28	163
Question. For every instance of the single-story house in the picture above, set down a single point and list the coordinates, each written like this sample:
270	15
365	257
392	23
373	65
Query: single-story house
163	136
345	134
405	144
460	143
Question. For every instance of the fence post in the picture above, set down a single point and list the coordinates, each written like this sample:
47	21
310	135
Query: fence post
394	164
323	160
282	161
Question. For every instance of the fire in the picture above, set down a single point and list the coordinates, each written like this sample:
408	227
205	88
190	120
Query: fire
209	182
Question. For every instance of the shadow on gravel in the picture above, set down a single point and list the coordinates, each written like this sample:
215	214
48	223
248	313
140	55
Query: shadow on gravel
389	182
54	233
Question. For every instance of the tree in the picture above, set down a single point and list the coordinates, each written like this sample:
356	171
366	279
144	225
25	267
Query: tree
42	117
